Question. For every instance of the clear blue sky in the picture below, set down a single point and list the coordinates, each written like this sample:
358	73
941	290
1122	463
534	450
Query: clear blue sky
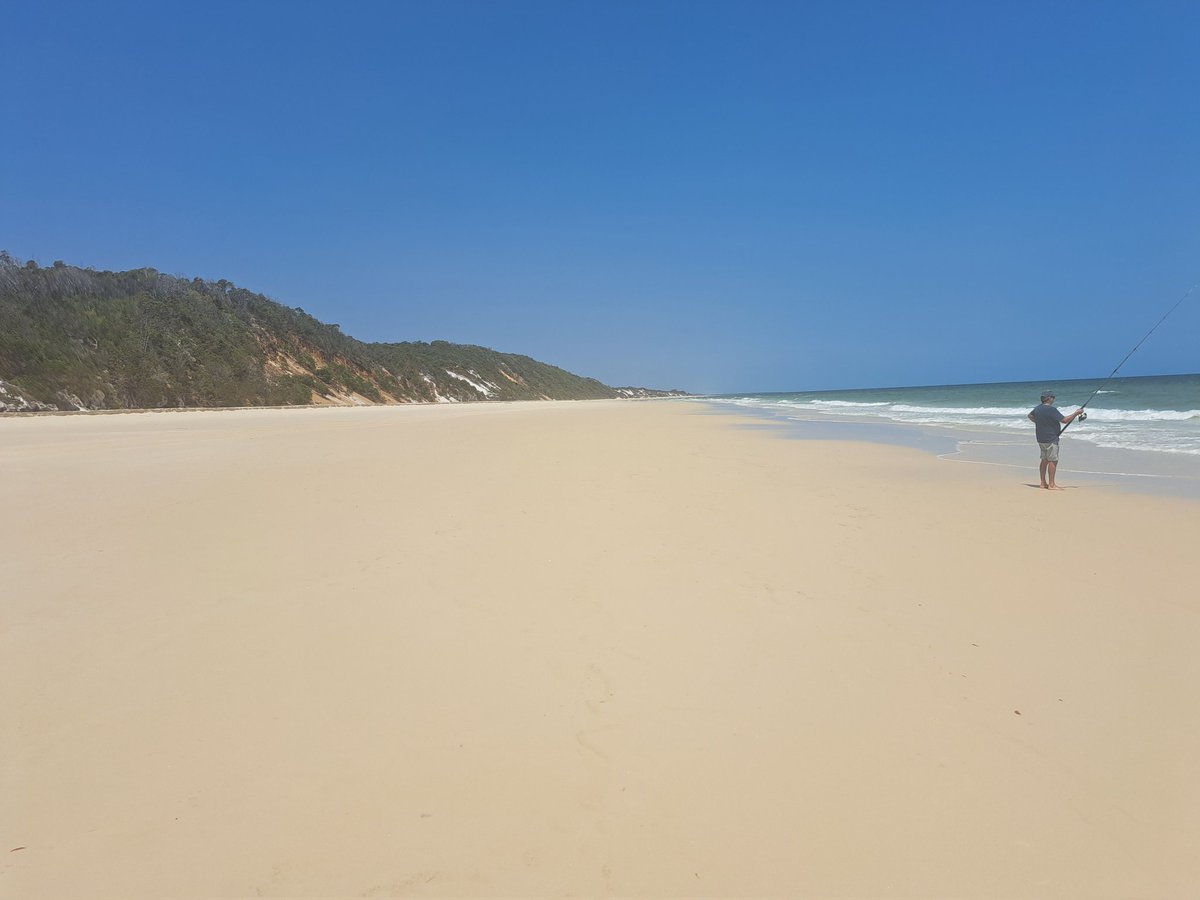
714	196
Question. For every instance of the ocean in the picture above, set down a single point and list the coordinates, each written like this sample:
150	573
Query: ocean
1138	427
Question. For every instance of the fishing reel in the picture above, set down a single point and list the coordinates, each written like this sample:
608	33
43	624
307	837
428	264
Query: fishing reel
1083	417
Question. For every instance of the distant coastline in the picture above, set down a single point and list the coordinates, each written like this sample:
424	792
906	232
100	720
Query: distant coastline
79	339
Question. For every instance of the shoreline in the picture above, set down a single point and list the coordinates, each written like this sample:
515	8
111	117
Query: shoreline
542	649
1142	472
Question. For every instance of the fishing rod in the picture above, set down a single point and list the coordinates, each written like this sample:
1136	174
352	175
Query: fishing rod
1113	373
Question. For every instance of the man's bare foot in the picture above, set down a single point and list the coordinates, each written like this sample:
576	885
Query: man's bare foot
1055	487
1045	486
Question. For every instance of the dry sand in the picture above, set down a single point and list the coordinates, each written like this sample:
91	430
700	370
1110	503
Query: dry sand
581	649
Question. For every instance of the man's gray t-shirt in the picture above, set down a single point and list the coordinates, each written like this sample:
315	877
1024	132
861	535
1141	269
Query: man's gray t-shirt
1046	421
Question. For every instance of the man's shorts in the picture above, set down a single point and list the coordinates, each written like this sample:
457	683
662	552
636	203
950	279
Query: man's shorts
1049	451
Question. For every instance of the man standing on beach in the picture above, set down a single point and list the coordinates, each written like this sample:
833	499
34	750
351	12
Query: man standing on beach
1049	424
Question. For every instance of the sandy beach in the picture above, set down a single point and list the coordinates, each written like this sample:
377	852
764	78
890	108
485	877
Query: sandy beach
581	649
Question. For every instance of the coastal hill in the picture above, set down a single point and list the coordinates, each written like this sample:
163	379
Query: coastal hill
75	339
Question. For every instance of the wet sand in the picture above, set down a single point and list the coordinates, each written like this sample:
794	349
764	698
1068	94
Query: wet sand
589	649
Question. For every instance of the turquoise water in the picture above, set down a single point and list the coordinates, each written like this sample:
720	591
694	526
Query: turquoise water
1141	432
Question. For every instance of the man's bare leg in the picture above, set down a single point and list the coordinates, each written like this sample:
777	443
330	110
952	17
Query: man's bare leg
1051	468
1042	473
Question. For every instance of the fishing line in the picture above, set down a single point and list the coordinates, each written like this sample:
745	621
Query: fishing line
1113	373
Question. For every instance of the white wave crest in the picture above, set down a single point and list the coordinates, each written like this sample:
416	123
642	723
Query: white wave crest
1143	415
952	411
843	403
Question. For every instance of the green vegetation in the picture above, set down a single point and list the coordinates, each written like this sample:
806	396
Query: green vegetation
78	338
527	379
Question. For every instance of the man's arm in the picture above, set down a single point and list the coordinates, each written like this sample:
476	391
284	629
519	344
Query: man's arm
1065	420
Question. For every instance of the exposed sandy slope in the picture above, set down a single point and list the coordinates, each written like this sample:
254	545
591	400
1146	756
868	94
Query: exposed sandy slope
581	649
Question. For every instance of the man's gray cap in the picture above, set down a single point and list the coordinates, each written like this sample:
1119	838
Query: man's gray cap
1047	395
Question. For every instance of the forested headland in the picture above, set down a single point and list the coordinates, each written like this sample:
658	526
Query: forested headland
75	338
